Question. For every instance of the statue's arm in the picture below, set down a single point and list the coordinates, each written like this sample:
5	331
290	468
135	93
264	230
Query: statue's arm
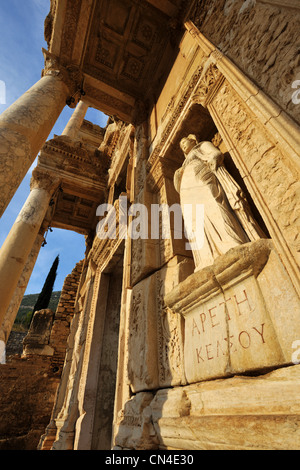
215	160
210	154
177	179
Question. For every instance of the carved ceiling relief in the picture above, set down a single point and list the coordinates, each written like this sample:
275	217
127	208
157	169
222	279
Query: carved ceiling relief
108	52
129	46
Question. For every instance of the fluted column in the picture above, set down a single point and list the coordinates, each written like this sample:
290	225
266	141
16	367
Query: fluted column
18	295
20	240
26	124
76	120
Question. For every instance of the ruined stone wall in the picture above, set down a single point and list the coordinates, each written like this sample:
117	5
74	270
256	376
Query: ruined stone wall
27	392
28	384
261	38
63	317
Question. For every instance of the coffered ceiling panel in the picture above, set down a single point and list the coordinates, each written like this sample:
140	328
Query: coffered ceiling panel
125	48
129	46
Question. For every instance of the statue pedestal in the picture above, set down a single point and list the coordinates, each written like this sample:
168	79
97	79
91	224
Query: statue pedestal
241	314
37	340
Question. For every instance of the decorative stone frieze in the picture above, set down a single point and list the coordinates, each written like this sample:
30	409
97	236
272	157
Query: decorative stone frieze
74	157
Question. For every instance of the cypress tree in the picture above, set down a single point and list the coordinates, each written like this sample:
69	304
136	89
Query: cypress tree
43	299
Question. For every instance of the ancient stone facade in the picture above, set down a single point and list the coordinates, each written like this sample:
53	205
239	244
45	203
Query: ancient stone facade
170	348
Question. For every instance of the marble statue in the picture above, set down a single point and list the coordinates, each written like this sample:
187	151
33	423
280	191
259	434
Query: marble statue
203	180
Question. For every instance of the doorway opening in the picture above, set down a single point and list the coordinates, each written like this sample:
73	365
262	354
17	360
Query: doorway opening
109	310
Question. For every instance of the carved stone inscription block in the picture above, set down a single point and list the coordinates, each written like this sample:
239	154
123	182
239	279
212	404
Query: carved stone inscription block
155	339
232	325
230	333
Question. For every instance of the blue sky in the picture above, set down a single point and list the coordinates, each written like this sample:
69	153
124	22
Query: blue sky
21	63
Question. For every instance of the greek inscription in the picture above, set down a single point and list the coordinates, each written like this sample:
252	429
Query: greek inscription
208	328
238	303
211	319
234	343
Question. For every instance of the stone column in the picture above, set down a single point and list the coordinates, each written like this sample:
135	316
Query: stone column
26	124
18	295
19	242
75	123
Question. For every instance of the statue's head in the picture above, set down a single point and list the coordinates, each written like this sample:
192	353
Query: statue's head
187	143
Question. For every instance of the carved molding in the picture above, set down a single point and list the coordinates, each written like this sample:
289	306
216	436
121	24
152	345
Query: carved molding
49	22
282	3
201	89
71	23
175	115
70	75
42	179
208	86
75	158
103	250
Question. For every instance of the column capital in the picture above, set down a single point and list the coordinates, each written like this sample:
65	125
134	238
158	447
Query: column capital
70	75
42	179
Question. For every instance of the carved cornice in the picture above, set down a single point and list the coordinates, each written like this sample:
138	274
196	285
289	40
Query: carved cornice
122	149
70	75
209	84
49	22
201	89
103	250
175	115
75	158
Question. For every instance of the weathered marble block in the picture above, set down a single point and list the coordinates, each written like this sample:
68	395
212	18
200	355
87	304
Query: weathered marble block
241	314
134	428
155	340
238	413
38	337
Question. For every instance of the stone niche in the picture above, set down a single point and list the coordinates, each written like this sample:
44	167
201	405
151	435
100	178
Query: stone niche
241	314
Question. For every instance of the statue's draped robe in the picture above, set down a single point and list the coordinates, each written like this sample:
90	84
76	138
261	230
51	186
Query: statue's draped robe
198	184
